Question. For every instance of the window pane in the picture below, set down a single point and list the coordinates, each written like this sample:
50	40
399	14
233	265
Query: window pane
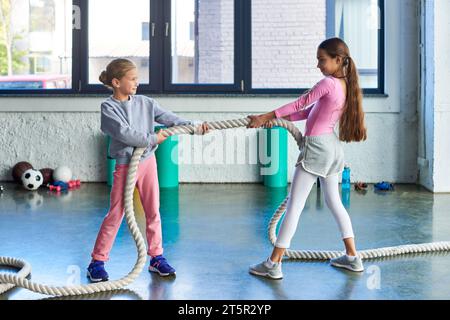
357	22
203	41
118	31
286	34
36	47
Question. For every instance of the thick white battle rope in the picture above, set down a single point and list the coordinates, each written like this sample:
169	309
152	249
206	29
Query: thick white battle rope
364	254
8	281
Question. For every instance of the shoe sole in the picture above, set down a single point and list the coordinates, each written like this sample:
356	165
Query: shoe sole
152	269
95	280
346	267
256	273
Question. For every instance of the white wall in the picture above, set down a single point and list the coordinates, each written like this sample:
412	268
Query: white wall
434	106
51	131
441	160
438	125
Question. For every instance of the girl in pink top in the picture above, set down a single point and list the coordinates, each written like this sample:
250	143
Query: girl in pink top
328	100
336	98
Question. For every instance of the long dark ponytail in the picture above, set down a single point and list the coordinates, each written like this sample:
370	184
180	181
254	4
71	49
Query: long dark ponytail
351	124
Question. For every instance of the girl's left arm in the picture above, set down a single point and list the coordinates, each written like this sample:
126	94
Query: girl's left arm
321	89
298	116
168	118
263	120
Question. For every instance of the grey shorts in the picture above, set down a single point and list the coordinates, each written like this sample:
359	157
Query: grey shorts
322	155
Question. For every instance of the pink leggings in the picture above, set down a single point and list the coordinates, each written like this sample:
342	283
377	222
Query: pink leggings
147	185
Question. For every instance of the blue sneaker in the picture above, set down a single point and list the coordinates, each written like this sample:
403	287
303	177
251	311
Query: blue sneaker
384	186
96	271
160	265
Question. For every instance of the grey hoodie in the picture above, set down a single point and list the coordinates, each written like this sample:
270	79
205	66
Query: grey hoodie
131	124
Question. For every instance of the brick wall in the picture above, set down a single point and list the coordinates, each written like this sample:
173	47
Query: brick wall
216	41
285	36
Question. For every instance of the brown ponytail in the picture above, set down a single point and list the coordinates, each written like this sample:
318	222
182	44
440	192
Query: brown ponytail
351	124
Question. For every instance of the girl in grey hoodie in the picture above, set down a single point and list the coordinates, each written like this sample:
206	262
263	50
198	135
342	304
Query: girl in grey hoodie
129	120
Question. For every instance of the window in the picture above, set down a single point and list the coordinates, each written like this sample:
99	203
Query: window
358	22
186	46
35	44
207	57
284	43
145	31
285	38
202	40
115	31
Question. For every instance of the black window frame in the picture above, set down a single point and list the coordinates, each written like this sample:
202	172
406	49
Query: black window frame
160	57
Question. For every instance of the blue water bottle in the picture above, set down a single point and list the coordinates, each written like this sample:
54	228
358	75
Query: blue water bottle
346	178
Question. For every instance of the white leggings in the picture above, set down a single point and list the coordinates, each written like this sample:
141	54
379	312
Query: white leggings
302	184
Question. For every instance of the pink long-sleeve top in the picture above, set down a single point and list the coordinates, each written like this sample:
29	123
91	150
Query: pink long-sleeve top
327	99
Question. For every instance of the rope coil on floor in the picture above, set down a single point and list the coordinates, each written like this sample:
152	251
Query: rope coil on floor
9	281
364	254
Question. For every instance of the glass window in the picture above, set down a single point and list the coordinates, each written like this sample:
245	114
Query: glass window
35	43
116	31
285	36
145	31
358	22
202	41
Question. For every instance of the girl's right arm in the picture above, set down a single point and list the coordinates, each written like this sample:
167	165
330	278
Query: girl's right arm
113	126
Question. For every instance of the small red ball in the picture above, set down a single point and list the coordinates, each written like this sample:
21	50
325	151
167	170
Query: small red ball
47	173
19	169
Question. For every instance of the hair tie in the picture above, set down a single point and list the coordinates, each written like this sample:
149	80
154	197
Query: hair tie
346	61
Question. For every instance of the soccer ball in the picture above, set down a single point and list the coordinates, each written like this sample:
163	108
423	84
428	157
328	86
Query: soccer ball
32	179
33	200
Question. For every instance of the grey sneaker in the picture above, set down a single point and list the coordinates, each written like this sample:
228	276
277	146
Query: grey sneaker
344	262
262	269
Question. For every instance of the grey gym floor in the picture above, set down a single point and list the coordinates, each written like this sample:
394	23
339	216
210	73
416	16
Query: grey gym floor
212	233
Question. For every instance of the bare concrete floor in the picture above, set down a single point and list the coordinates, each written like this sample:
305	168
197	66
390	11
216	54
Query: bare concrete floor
212	233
